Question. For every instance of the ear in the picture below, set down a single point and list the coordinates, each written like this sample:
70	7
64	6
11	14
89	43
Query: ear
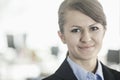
62	37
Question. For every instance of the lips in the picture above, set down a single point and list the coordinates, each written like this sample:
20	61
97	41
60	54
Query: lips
86	46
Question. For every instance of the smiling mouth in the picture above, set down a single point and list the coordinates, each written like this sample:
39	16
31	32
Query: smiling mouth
88	47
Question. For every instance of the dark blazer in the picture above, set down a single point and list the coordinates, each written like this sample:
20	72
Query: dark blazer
65	73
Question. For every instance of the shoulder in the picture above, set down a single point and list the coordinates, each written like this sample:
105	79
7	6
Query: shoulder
52	77
111	72
64	72
115	72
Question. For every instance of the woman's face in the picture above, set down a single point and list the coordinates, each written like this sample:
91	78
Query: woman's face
82	35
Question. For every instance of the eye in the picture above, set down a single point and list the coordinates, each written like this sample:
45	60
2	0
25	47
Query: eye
94	28
75	30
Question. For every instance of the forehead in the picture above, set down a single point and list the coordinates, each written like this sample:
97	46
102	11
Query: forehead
78	18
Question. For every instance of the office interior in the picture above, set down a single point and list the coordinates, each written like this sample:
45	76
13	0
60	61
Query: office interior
30	48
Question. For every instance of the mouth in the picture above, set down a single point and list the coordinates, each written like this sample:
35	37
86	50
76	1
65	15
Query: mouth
86	47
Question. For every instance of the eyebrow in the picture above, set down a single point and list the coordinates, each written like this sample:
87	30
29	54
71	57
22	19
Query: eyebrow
88	26
92	24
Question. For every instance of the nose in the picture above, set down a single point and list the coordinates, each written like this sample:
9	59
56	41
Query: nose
85	37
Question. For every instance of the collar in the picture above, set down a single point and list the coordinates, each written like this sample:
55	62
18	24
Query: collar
83	74
99	71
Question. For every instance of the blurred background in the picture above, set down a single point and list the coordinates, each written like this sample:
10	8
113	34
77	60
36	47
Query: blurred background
30	48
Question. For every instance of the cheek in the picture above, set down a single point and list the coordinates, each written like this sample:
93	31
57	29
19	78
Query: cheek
99	39
71	40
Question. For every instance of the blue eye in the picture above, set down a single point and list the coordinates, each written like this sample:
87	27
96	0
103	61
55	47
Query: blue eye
75	30
94	28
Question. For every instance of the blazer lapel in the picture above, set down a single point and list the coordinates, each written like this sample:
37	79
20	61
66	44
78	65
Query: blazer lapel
65	72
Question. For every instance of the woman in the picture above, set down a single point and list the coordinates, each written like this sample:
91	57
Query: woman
82	28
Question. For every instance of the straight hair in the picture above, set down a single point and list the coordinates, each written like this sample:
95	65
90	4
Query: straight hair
91	8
